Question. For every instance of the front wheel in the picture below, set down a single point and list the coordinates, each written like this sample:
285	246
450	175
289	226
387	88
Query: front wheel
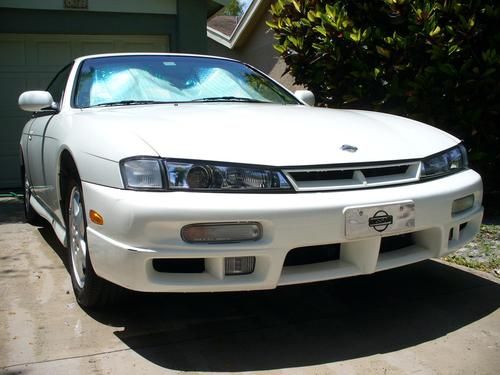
90	290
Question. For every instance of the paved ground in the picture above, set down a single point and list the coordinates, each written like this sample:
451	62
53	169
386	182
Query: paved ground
428	318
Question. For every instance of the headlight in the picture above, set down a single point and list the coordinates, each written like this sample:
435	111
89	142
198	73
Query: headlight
142	174
206	176
449	161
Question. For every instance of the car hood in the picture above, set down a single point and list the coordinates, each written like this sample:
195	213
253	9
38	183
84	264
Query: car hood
265	134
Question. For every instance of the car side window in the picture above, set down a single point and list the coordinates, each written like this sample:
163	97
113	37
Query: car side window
58	84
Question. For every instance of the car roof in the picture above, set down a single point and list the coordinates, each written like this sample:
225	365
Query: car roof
166	54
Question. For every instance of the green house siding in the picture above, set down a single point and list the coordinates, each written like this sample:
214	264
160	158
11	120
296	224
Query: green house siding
192	26
121	6
28	21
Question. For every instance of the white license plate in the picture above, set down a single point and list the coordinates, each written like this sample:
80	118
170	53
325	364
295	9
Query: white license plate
369	221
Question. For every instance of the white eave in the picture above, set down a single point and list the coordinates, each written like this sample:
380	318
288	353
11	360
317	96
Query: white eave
243	28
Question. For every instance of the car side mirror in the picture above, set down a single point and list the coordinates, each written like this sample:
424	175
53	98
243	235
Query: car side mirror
306	97
35	101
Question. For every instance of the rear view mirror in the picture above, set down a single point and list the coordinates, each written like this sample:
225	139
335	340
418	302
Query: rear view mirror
35	101
306	96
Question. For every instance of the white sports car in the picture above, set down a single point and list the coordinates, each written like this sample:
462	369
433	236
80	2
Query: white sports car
184	173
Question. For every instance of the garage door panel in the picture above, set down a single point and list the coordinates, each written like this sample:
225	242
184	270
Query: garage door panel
160	45
53	53
10	130
29	62
31	68
90	48
9	149
12	123
10	171
11	89
13	53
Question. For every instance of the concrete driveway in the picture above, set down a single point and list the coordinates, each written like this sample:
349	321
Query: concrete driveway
428	318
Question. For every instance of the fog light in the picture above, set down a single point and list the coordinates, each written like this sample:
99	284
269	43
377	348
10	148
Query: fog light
239	265
462	204
221	232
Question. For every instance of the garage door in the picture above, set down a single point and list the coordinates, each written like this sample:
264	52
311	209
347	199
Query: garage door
28	62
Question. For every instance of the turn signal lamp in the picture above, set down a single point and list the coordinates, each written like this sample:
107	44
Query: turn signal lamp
96	217
221	232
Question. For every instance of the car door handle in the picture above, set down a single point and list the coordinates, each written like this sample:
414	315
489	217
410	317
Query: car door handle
30	137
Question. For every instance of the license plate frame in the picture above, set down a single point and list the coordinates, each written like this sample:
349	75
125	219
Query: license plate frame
379	220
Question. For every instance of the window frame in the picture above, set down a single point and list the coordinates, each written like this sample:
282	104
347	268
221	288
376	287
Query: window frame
64	73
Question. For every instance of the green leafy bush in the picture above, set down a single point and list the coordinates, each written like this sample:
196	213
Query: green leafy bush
436	61
233	8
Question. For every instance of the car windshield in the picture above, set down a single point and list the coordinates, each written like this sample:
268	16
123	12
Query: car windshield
129	80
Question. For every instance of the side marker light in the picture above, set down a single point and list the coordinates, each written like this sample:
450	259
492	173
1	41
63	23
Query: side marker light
96	217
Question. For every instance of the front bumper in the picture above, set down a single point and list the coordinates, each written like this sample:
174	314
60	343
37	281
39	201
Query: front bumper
140	227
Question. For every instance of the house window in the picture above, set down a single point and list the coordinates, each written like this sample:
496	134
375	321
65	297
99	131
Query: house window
227	18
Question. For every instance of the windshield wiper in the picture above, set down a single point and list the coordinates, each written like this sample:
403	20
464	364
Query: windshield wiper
228	99
128	102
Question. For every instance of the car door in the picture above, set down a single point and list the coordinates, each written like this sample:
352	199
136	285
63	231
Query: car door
34	151
38	143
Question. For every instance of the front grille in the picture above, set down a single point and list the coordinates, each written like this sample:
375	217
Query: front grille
322	175
384	171
352	177
312	254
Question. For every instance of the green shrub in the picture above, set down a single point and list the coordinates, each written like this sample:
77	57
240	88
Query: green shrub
233	8
435	61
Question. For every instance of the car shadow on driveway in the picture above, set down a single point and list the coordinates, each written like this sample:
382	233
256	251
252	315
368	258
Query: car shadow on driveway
49	236
303	325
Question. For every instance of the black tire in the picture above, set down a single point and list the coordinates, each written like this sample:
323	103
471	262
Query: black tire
31	216
90	290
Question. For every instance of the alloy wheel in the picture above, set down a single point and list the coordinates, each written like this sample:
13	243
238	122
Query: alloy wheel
77	243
